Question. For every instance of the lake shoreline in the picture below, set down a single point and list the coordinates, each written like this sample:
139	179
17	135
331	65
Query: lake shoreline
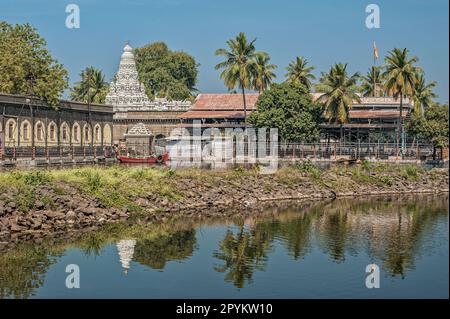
36	205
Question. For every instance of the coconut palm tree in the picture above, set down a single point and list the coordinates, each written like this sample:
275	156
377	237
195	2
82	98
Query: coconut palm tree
263	75
299	73
238	66
339	93
92	87
400	74
423	93
372	82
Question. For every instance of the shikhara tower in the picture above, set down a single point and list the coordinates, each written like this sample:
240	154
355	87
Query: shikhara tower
126	92
131	104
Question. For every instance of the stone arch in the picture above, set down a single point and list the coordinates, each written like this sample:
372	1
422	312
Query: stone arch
64	132
97	134
11	132
39	133
107	134
52	130
76	133
87	134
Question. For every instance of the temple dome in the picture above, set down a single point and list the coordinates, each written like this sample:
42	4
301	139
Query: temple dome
127	52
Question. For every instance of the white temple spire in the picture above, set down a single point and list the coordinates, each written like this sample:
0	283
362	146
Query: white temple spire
126	91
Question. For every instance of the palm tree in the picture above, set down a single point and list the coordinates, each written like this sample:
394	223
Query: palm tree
238	65
400	75
263	75
92	87
299	73
372	82
339	93
423	93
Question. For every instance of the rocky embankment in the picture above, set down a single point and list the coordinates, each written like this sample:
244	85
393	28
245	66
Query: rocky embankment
60	207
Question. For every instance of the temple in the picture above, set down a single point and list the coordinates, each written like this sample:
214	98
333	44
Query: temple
131	104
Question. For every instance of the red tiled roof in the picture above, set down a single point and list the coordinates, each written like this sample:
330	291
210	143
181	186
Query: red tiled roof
213	114
221	106
360	114
224	101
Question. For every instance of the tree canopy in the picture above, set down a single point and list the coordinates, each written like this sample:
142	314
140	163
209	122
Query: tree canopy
431	126
27	67
92	87
166	73
289	108
339	93
299	73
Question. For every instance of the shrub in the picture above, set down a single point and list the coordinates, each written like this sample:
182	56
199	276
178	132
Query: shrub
94	181
411	172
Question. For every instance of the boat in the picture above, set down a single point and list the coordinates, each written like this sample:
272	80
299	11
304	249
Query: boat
151	159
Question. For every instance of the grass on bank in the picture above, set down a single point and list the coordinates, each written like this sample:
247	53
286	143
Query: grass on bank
118	186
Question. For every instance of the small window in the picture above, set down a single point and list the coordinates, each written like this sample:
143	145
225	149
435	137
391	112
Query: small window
86	133
52	132
39	133
64	134
97	133
10	130
75	133
25	131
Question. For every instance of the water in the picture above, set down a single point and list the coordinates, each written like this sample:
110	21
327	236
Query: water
310	251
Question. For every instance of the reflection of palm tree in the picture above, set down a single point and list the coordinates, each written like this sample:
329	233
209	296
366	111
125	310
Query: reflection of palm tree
404	240
297	234
174	246
243	254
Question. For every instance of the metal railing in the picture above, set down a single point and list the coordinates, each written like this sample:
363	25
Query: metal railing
56	152
336	150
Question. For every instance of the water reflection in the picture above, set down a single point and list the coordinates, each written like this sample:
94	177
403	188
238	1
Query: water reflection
22	271
155	253
393	232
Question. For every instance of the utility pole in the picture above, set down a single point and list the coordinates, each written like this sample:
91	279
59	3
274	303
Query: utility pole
89	110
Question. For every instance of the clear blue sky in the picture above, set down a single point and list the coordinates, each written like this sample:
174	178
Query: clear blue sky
324	31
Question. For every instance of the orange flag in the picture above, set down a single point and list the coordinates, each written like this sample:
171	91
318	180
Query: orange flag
375	50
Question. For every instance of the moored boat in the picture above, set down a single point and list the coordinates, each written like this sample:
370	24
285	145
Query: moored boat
145	159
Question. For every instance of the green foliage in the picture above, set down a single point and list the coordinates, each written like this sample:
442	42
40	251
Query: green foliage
432	126
400	73
27	67
37	178
385	180
360	175
239	62
262	74
289	108
165	73
411	172
25	198
373	82
339	93
92	87
423	93
94	181
308	167
299	73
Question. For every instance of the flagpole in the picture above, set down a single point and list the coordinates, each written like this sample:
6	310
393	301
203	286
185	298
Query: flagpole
373	71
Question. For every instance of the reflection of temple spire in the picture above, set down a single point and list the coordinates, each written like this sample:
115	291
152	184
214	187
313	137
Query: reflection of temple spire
125	249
